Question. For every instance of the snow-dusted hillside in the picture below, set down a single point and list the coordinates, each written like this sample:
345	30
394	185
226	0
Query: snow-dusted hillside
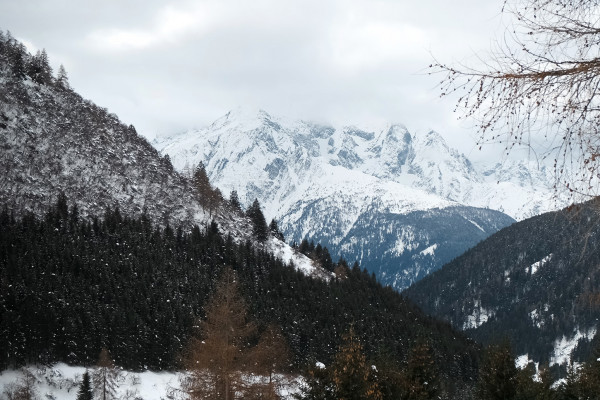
324	183
535	283
52	141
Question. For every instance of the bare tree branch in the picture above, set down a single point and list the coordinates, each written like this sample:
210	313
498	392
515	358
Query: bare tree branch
542	80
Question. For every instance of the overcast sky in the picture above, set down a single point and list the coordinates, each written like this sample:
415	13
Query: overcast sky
166	66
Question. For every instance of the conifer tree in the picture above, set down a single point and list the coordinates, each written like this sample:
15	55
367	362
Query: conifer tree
215	358
62	78
318	385
16	55
352	375
569	389
234	201
270	355
274	228
589	381
544	386
208	196
541	79
497	373
85	388
38	68
259	224
527	388
422	374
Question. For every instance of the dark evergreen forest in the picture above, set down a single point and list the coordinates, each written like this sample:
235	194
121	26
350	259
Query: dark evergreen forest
540	277
70	287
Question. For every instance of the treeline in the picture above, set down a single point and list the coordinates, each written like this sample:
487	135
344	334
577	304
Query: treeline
70	287
37	66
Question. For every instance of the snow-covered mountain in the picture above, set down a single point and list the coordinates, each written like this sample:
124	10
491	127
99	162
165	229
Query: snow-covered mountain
391	199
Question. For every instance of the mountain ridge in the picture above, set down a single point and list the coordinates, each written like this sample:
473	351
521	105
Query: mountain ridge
319	181
55	141
535	282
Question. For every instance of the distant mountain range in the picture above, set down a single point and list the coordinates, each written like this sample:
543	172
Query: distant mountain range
401	204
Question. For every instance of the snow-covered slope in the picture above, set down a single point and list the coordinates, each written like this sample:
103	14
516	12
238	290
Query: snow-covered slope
61	382
53	141
323	182
533	283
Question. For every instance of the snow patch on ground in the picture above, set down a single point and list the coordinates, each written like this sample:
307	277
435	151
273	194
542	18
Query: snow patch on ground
563	347
61	382
430	250
478	317
523	361
476	225
302	263
536	265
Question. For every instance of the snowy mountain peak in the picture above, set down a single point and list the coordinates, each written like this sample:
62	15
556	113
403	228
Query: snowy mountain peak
351	187
279	156
244	118
432	138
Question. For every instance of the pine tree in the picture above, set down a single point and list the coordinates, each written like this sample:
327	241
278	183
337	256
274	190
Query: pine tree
391	377
62	79
234	201
85	388
274	229
569	389
352	375
589	381
269	356
259	224
318	385
422	374
215	358
207	195
38	68
527	388
497	373
16	55
545	391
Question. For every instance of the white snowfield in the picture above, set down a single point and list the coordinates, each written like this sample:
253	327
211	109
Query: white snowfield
478	317
302	263
564	346
536	265
61	382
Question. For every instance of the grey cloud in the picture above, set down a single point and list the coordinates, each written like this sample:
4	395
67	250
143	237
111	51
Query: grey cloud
348	61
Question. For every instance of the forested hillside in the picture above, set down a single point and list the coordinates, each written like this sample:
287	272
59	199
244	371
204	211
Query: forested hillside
71	286
536	282
52	140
